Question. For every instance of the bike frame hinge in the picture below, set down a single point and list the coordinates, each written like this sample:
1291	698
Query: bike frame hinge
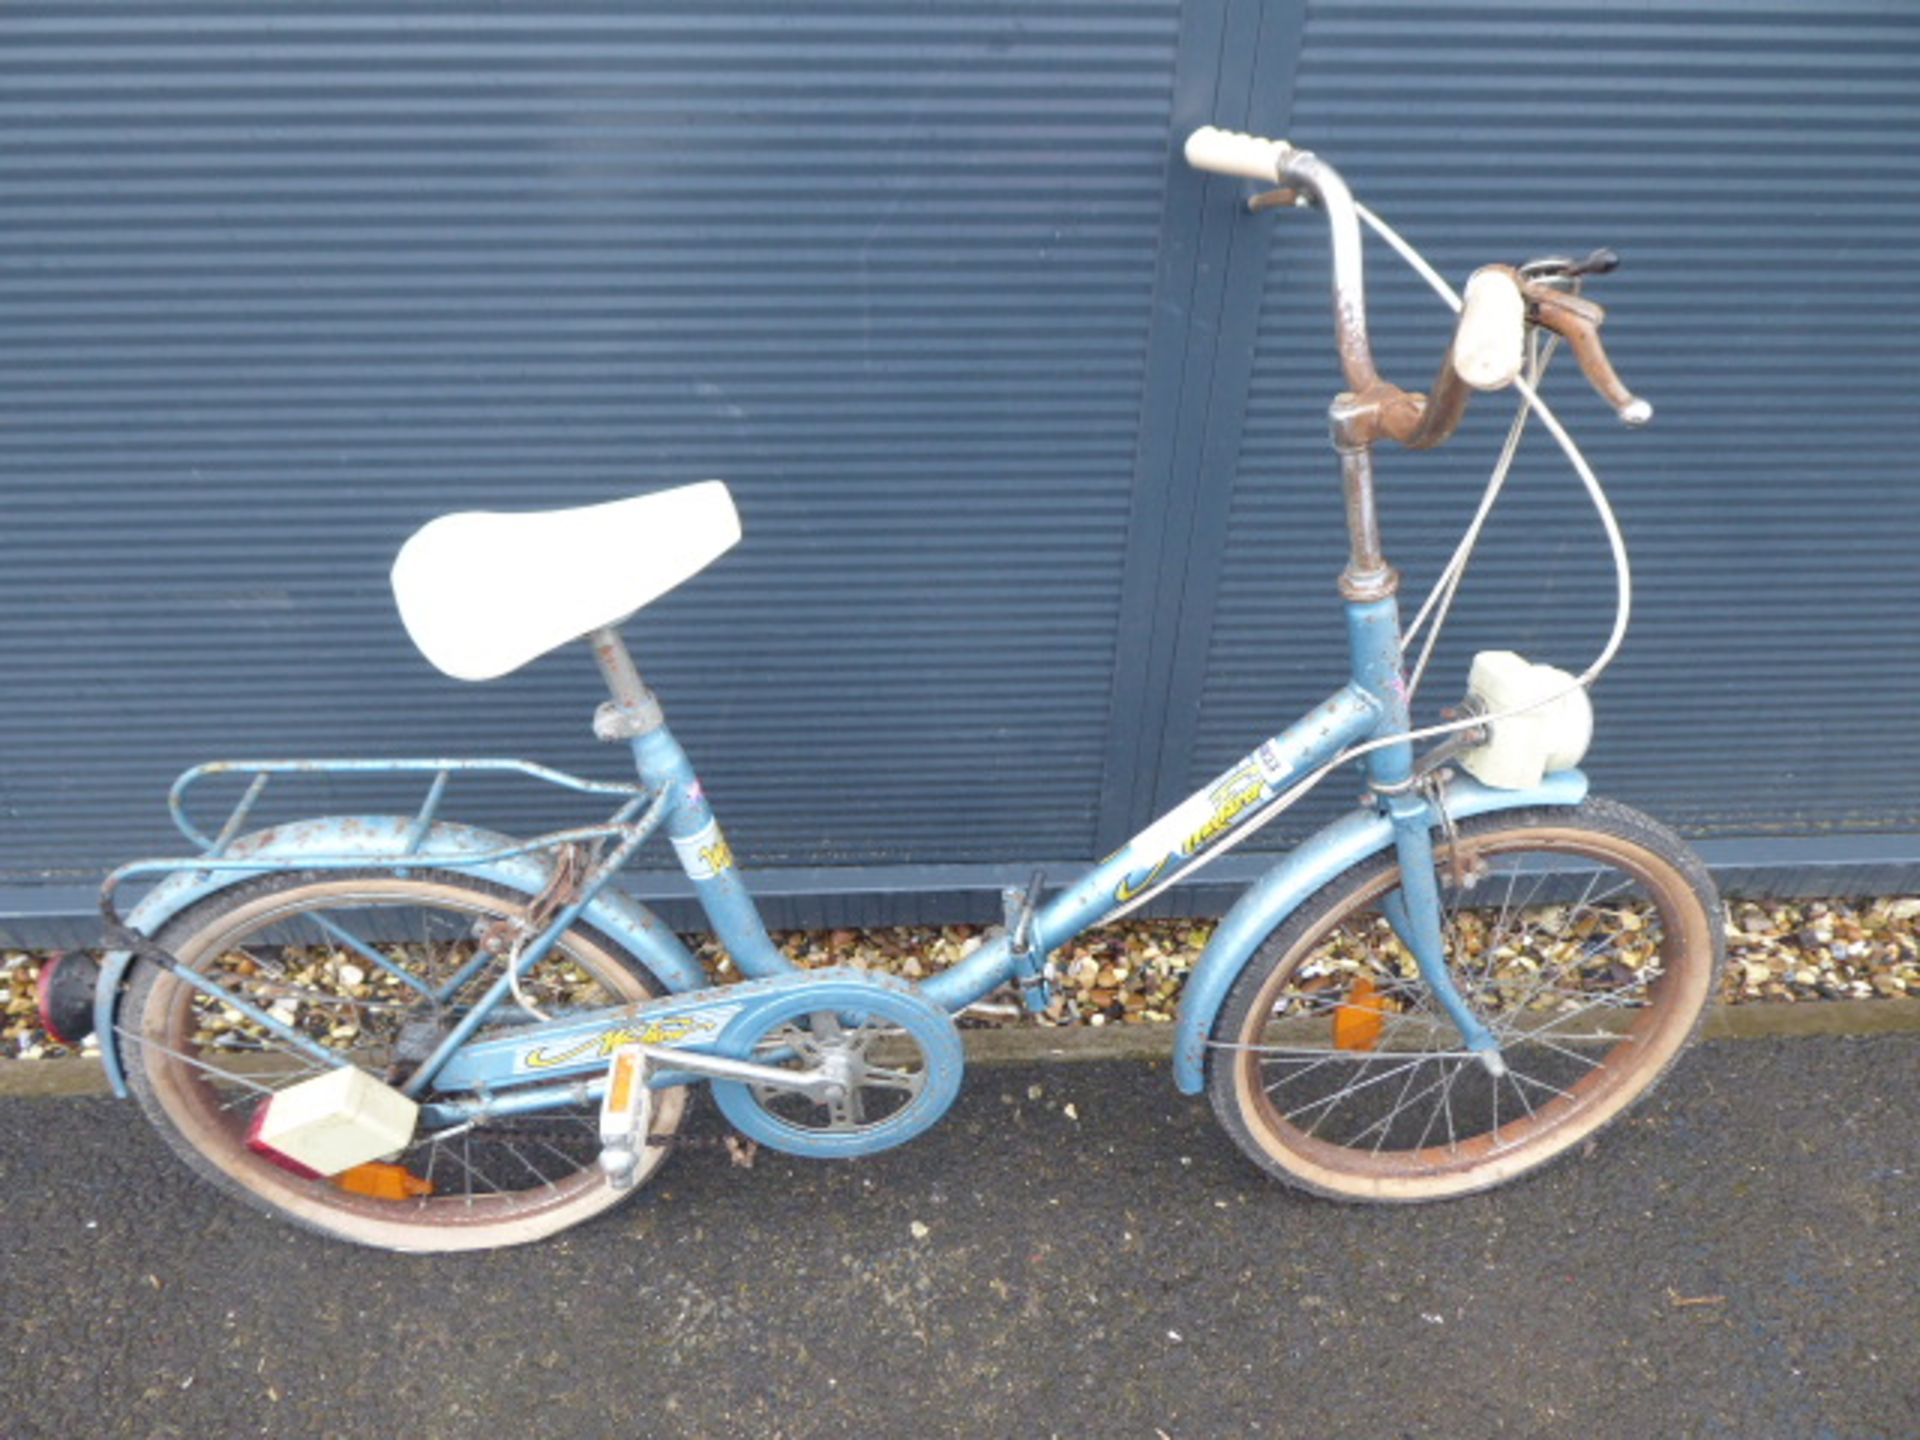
614	721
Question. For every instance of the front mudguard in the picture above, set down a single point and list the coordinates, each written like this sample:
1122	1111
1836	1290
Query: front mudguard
446	846
1278	893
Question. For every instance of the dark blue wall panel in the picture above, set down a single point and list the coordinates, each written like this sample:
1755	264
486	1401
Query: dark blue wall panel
280	283
1757	168
1025	421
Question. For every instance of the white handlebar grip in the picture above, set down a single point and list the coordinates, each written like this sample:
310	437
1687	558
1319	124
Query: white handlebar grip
1227	152
1490	342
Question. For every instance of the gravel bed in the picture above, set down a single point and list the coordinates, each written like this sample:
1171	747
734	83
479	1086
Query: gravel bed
1131	973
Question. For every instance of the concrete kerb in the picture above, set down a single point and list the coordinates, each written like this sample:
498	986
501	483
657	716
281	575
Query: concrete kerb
1028	1045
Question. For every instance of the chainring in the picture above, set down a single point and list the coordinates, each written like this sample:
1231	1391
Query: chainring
898	1059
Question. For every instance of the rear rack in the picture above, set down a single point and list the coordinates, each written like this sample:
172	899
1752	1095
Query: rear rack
621	827
398	844
442	771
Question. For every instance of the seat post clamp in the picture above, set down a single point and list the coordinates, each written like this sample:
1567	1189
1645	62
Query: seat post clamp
614	721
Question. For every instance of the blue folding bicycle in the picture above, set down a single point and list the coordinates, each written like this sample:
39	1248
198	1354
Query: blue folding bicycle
408	1032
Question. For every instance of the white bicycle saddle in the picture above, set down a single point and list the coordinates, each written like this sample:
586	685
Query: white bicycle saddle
484	592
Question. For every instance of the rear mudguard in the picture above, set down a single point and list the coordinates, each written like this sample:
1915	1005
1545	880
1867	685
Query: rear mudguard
446	846
1278	893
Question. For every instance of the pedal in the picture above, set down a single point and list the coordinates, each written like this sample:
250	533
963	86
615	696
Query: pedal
626	1114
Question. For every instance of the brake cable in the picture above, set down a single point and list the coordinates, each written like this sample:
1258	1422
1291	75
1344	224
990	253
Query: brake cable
1531	404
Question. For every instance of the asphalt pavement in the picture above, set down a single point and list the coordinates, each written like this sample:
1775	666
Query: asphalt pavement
1737	1259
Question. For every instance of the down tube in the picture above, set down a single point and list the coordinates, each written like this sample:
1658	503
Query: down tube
1187	831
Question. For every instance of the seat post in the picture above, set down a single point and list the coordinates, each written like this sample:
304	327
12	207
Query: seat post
634	710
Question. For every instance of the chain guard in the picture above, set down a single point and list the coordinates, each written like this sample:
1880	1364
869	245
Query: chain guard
860	1004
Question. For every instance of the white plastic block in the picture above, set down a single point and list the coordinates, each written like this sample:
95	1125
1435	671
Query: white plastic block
333	1122
1490	342
1228	152
1523	748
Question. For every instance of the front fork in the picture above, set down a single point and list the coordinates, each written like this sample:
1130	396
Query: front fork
1373	633
1415	914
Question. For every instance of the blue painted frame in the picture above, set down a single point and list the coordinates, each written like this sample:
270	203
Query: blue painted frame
1371	707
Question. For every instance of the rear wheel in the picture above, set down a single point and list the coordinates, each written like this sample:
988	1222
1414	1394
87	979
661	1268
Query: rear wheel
1588	940
351	960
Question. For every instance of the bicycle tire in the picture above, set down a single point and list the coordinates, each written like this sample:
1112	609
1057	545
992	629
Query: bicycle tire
1309	970
196	1093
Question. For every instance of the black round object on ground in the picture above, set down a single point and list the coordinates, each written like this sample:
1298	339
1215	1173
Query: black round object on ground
66	996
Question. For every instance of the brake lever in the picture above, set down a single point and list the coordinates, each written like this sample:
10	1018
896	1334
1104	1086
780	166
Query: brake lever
1577	320
1562	267
1279	199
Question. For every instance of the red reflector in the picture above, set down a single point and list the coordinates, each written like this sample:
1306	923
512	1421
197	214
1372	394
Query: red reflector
267	1152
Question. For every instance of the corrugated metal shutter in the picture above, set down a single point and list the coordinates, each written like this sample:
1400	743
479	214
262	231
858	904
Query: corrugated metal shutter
1026	425
279	285
1756	166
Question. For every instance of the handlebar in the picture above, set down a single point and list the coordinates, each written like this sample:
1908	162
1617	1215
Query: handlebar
1488	339
1228	152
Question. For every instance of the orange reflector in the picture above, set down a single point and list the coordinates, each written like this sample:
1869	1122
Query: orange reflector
1359	1019
626	1069
383	1181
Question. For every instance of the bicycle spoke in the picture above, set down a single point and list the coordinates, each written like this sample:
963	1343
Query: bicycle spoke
1525	1104
1534	1080
1586	1060
198	1064
532	1170
1400	1102
1600	1003
1345	1094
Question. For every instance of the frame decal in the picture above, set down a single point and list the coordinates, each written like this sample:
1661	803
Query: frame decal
705	853
661	1030
1203	818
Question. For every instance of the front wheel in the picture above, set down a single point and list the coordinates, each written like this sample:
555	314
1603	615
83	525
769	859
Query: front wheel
1587	939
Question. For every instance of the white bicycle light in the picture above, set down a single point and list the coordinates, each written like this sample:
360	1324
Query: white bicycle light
1544	737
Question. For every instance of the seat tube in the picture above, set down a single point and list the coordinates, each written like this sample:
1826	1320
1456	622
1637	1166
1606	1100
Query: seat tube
634	715
705	855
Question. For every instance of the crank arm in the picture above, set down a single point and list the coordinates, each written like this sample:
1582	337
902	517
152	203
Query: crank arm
814	1084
